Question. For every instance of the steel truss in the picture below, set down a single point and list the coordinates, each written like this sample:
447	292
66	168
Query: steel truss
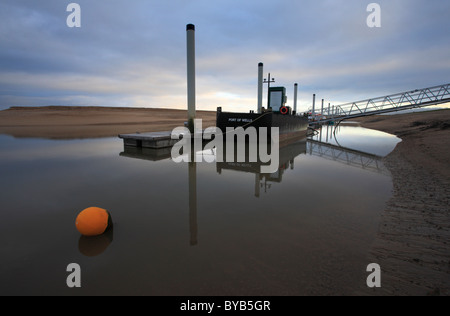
395	102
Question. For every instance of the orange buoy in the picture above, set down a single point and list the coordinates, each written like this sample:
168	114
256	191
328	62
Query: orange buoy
93	221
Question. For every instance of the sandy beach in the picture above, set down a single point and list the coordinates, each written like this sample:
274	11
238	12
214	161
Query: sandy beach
413	241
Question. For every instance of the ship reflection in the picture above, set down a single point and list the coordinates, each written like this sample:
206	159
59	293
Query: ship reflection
264	181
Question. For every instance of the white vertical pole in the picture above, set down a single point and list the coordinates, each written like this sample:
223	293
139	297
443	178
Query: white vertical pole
332	112
257	190
193	228
321	111
190	30
295	97
268	91
260	86
314	106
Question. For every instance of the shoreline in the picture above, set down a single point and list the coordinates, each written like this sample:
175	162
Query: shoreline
413	242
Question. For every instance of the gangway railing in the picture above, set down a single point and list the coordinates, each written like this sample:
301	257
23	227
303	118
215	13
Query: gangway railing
391	103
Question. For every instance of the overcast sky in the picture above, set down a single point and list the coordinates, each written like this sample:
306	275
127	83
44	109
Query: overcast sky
133	53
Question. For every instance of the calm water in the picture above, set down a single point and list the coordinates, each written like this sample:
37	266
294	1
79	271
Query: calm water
212	229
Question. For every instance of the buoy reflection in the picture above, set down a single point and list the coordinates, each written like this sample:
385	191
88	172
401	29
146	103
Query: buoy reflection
95	245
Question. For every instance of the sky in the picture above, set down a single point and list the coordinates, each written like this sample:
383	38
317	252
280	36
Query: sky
133	53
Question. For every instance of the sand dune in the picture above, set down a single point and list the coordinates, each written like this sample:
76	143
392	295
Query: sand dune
63	122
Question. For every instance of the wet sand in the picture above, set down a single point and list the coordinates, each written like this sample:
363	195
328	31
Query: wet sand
63	122
413	242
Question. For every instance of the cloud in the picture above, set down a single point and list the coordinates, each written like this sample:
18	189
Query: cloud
133	53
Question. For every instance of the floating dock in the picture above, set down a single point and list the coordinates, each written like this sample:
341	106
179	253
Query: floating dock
157	140
153	140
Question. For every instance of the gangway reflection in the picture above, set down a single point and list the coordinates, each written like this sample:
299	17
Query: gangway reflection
325	144
347	156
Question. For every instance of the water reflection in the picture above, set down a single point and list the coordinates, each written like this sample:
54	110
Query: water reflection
193	203
95	245
306	232
354	137
325	143
347	156
263	181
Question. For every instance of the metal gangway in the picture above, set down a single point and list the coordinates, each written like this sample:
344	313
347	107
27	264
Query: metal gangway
391	103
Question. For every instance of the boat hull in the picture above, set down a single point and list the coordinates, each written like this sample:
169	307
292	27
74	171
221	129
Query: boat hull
291	127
